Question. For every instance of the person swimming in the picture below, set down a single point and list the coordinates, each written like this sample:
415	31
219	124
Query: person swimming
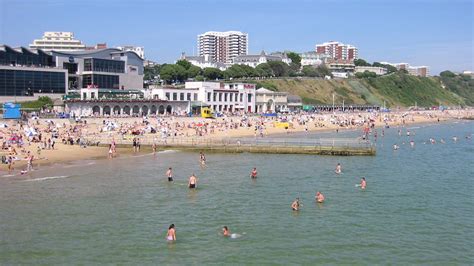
225	231
412	143
319	197
171	235
338	169
395	147
363	183
296	204
202	158
169	174
192	181
253	174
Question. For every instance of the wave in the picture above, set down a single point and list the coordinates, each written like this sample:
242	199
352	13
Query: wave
46	178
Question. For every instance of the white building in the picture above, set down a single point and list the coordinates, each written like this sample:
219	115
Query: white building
219	96
271	101
203	61
140	50
58	41
312	59
421	71
376	70
255	60
222	47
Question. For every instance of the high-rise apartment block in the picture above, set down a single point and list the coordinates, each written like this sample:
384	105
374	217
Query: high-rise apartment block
338	51
222	46
58	41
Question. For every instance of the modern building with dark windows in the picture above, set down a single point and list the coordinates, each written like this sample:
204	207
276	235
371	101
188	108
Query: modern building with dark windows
26	72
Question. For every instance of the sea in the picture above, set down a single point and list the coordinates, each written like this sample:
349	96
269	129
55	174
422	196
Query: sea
418	207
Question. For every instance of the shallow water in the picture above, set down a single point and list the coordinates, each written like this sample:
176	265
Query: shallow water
417	208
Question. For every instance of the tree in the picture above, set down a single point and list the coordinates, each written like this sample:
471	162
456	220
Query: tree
264	70
295	58
447	74
173	73
193	71
150	72
323	71
361	62
279	68
310	71
212	73
184	63
377	64
235	71
390	69
366	74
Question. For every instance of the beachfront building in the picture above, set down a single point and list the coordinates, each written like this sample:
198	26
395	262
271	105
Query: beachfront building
295	103
341	68
255	60
104	102
109	68
313	59
203	61
270	101
28	74
222	47
377	70
140	50
58	41
338	51
221	97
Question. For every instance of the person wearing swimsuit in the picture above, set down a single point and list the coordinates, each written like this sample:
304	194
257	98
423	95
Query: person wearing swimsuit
296	204
192	181
171	235
169	174
253	174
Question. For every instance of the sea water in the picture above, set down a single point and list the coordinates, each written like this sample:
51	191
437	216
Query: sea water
417	209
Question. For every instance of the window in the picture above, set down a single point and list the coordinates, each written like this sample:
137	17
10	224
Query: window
195	96
220	96
175	96
230	97
101	81
241	97
249	97
188	97
92	95
26	83
167	95
209	97
225	97
214	96
181	96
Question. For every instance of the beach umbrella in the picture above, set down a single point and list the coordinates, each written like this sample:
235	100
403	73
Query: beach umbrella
3	125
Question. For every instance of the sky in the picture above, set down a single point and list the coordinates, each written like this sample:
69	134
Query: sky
436	33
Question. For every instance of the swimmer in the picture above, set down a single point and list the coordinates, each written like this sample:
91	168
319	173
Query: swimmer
296	204
432	141
202	158
192	181
253	174
363	183
171	235
225	231
395	147
338	169
412	143
455	138
442	141
169	174
319	197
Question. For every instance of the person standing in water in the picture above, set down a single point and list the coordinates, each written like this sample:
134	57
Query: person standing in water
171	235
169	174
192	181
296	204
319	197
363	183
338	169
253	174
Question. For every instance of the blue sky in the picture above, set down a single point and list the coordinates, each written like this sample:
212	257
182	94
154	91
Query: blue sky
434	33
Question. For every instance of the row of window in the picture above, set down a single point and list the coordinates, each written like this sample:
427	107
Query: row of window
181	96
227	97
104	65
11	57
26	83
101	81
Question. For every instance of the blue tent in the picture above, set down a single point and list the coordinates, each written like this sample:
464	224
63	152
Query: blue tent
11	111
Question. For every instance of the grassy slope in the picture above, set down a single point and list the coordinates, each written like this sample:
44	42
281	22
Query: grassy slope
395	89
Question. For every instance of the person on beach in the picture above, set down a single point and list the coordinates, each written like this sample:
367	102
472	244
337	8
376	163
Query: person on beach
192	181
171	235
338	168
363	183
253	174
296	204
154	148
111	152
169	174
319	197
134	144
225	231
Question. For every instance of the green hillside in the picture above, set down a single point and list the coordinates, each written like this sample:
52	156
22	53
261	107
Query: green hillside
396	89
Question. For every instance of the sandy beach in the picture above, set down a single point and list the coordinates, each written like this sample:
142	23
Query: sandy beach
123	130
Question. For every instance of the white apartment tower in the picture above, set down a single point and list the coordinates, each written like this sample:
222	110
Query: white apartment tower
222	46
58	41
